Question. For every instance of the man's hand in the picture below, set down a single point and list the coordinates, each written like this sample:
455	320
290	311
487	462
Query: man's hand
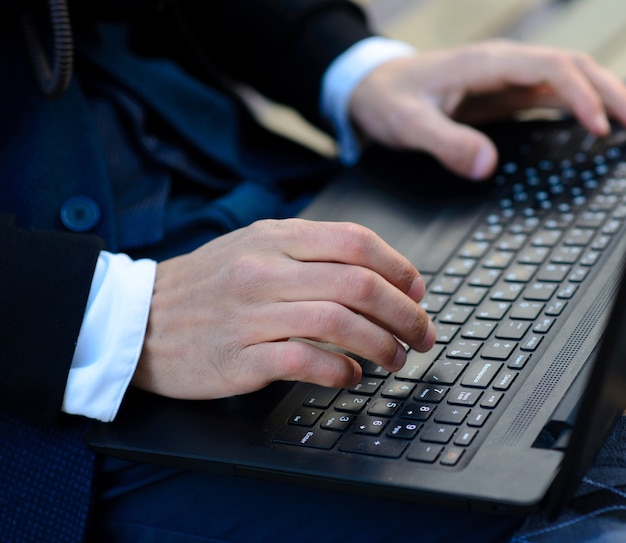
221	317
423	102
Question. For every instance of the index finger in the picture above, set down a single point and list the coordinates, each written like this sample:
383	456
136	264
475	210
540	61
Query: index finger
351	243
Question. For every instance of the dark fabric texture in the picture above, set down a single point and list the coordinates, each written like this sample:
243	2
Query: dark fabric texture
46	475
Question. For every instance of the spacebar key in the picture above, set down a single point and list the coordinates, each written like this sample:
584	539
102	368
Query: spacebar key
307	437
376	446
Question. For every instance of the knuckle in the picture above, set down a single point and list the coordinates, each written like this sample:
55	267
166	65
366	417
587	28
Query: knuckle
418	325
245	274
330	321
358	240
295	358
362	285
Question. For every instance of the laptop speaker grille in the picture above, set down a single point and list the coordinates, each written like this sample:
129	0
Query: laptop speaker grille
559	365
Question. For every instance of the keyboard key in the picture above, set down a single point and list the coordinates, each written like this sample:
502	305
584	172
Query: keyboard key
440	433
478	330
511	242
321	397
451	414
533	255
492	310
546	238
464	396
456	314
531	343
445	372
498	349
430	393
403	430
520	273
544	325
578	275
336	422
369	425
518	361
528	311
460	267
506	291
445	285
579	237
465	437
481	373
474	249
539	292
317	439
452	456
434	303
463	349
566	255
498	260
553	273
383	408
470	295
513	330
398	390
418	411
504	380
372	369
491	400
305	417
484	278
371	445
446	332
424	452
350	403
478	418
418	363
555	308
367	386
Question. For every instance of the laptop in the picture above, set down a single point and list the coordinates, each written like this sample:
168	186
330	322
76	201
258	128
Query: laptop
528	376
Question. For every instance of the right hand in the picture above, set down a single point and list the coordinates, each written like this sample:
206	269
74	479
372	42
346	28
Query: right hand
221	316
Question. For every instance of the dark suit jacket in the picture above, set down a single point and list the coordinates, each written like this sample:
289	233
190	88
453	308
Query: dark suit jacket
52	151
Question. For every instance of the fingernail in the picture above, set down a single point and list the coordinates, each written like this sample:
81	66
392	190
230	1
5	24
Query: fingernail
357	374
430	337
418	288
400	359
482	163
602	123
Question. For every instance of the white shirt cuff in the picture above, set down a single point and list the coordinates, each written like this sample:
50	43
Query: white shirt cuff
342	77
111	337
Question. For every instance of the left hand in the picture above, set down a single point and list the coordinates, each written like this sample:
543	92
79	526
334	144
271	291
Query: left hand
423	102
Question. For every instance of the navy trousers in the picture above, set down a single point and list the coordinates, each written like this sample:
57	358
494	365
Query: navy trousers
143	503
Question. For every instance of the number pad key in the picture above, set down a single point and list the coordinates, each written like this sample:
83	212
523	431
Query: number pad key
437	433
403	430
372	426
351	404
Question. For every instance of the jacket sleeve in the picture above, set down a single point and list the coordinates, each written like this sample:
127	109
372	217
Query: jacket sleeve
281	47
45	279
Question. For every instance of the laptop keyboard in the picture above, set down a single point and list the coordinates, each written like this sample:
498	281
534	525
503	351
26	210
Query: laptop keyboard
494	305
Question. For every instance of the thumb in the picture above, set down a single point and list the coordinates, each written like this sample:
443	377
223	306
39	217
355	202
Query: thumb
459	147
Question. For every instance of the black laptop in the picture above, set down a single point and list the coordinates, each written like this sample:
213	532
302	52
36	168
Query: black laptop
528	375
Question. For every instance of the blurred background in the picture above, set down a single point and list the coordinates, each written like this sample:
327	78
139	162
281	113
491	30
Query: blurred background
597	27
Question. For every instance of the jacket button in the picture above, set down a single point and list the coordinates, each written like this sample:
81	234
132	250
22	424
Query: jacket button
80	214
